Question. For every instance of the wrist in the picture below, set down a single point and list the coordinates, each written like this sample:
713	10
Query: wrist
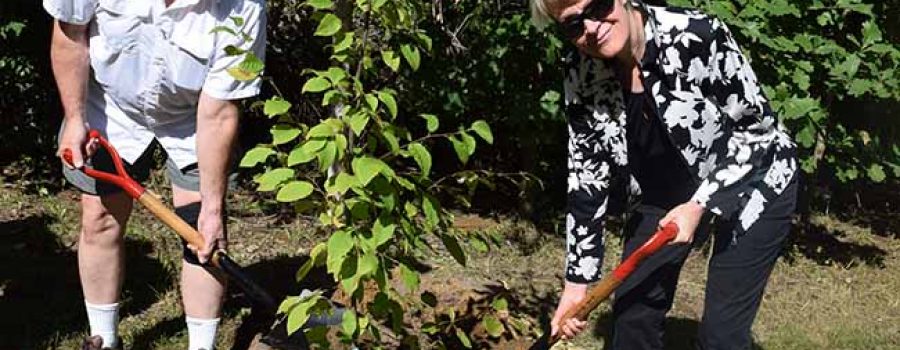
213	207
696	206
573	287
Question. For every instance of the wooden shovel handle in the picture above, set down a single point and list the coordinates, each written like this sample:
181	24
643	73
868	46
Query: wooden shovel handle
168	217
608	284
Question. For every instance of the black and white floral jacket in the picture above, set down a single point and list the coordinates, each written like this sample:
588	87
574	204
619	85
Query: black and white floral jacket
715	113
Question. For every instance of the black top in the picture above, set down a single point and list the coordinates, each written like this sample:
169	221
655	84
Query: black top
655	163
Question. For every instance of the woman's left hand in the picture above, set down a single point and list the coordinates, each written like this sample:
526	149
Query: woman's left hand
687	217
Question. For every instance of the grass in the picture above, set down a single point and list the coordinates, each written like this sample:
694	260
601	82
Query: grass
836	288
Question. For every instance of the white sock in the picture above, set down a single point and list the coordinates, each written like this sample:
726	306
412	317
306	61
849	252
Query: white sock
201	333
104	321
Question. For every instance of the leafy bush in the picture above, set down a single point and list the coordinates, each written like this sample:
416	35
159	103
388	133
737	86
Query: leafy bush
816	57
29	118
363	165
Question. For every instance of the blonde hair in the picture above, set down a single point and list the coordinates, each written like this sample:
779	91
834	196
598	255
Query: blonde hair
540	11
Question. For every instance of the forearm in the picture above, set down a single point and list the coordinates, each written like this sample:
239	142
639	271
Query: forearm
71	65
217	124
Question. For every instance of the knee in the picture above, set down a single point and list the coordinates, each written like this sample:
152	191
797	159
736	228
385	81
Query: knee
101	228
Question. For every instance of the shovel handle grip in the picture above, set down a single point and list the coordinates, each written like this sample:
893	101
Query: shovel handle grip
120	178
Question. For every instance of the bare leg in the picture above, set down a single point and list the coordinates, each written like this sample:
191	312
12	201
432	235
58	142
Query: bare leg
101	255
202	292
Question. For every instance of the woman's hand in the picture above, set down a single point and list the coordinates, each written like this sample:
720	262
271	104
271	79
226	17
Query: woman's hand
687	216
572	295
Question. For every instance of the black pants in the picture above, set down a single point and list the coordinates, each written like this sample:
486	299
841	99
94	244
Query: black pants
738	272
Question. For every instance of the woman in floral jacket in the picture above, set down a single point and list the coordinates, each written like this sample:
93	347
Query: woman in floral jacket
662	101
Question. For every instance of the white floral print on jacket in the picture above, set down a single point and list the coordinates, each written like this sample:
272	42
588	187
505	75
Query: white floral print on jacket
716	115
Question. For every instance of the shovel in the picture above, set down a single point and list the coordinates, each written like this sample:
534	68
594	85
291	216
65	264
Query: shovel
277	337
612	281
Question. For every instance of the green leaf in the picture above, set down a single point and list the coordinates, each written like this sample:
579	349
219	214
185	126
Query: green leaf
335	75
367	264
232	50
871	33
225	29
849	67
340	142
317	84
348	276
431	207
294	191
797	108
462	151
300	155
288	303
410	278
858	87
377	4
272	178
809	164
895	168
422	157
299	314
391	59
339	244
322	130
349	322
388	99
283	133
425	40
276	106
391	139
381	234
345	181
876	173
328	26
320	4
807	136
493	326
366	168
372	102
255	156
463	338
479	244
431	122
344	43
248	69
314	144
500	304
411	53
326	155
316	257
469	141
238	21
483	130
358	122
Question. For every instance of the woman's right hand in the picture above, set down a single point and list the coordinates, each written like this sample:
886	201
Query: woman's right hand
572	295
72	138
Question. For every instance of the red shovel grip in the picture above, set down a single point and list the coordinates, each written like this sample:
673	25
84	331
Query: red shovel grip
120	179
655	243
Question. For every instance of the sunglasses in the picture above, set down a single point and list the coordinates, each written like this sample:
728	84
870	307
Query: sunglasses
572	27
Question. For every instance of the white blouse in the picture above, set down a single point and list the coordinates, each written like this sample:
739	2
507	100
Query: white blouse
151	62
